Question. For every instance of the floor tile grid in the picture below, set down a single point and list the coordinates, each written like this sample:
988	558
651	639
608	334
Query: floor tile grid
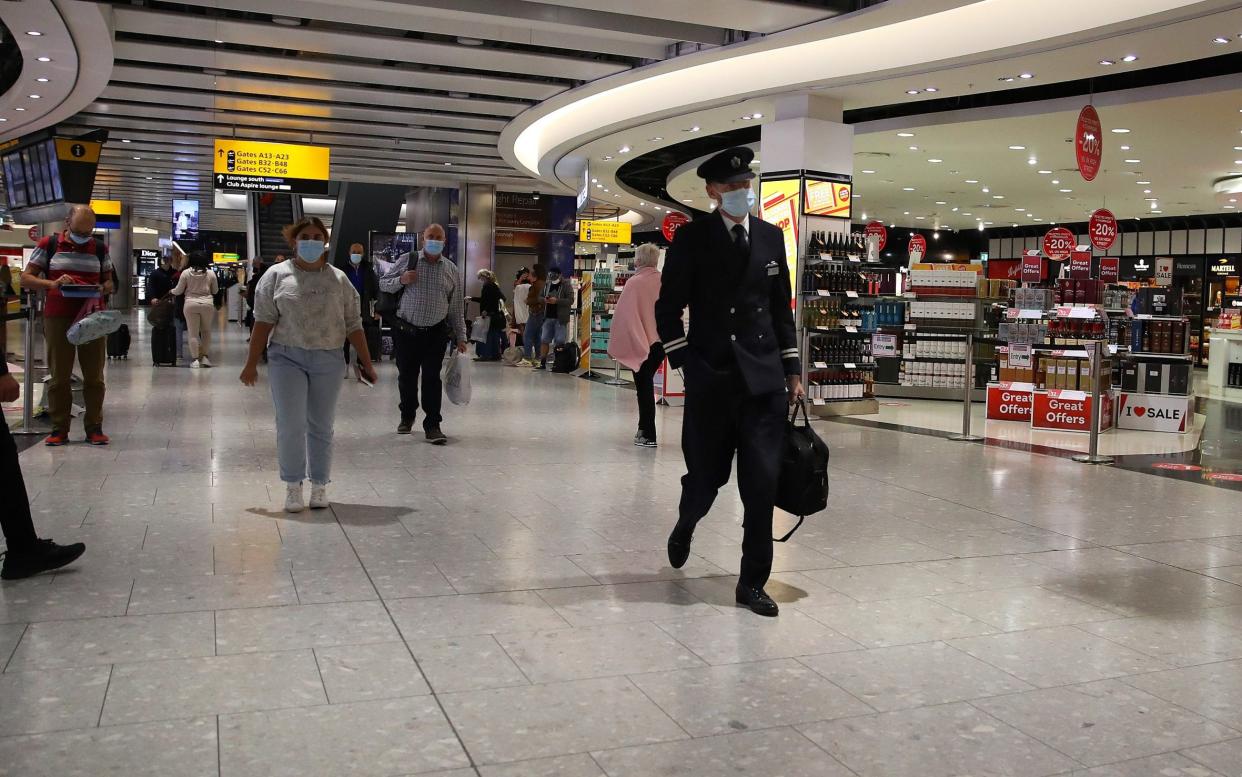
8	658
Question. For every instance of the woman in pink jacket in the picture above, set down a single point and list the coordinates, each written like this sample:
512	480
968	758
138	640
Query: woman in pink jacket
635	342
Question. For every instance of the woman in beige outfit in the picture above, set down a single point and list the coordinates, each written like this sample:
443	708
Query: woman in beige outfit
198	284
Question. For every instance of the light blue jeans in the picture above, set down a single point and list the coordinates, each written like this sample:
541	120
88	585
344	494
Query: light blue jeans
305	386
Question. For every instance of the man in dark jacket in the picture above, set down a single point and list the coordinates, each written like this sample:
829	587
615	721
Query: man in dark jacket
558	300
159	282
361	273
740	361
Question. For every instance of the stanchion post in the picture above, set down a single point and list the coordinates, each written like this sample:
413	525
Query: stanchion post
1094	457
28	339
615	380
967	393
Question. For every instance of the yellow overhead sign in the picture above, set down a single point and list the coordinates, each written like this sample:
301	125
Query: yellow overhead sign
106	207
219	258
604	232
71	150
251	165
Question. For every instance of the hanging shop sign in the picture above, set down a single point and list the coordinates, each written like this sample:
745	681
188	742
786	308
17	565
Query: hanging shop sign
1153	412
256	166
1059	243
917	243
1005	269
1187	268
1080	265
828	198
1136	269
107	213
1164	271
672	222
604	232
1032	267
876	228
1110	269
1223	268
1103	229
1089	143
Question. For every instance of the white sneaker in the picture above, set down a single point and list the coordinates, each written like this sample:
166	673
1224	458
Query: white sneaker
319	495
293	498
205	361
194	365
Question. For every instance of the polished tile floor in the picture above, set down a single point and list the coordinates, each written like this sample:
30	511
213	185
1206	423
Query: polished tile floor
503	607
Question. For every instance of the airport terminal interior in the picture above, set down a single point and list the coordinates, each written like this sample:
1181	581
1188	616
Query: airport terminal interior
1013	315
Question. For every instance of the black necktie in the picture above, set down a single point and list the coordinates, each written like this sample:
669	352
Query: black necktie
740	241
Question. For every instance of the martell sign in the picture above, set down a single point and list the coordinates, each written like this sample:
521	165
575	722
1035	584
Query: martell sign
1089	143
1103	229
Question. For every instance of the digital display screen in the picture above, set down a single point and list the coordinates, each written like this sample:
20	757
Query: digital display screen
32	176
185	220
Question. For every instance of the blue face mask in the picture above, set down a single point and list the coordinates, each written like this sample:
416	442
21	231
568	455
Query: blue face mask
738	202
355	259
79	239
310	250
433	247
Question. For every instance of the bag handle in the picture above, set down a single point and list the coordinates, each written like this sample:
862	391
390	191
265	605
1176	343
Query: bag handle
790	533
793	414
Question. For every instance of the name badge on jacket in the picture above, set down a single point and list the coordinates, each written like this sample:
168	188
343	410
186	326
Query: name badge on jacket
774	268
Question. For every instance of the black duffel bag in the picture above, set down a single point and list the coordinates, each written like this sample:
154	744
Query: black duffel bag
803	486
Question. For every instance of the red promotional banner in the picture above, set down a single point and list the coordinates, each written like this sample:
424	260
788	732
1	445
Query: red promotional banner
1110	269
671	222
876	228
1080	265
918	243
1004	269
1032	267
1103	229
1069	411
1007	404
1089	143
1059	243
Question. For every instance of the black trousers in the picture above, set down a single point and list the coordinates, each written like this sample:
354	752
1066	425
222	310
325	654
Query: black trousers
15	520
643	382
421	351
719	419
372	334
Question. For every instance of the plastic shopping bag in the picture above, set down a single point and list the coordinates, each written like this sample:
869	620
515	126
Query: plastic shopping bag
480	328
455	374
93	322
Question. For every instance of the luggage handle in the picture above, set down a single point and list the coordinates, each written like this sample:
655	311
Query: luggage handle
793	414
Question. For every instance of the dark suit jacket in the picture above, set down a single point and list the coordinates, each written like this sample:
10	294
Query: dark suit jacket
741	319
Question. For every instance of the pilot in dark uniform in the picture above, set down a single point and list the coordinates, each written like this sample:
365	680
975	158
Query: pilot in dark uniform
739	359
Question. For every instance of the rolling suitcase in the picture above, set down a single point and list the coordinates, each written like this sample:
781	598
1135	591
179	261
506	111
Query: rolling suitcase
118	343
164	346
565	357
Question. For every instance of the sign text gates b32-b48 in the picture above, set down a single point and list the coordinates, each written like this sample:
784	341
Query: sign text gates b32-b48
255	166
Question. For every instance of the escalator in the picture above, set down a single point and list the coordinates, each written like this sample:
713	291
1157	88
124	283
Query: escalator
268	215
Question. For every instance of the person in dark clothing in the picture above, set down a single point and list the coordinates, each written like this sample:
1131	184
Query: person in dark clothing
26	554
490	300
159	282
361	273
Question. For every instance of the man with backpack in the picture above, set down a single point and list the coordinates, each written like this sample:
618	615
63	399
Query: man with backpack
558	299
72	257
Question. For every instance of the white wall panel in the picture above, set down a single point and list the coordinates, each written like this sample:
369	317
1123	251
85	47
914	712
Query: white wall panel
1177	244
1161	245
1233	240
1146	243
1129	243
1214	241
994	248
1196	243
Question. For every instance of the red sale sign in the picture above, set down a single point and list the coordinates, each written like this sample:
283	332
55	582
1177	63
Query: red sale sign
1080	265
1089	143
1110	269
1032	267
1069	411
1008	404
1059	243
671	222
1103	229
876	228
918	243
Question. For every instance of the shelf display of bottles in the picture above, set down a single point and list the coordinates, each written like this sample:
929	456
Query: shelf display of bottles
834	277
1159	335
834	384
831	313
834	351
935	374
944	347
852	247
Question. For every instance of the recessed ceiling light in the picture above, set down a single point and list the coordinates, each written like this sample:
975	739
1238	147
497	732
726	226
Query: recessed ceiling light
1120	131
1218	40
971	180
1129	58
931	89
36	96
1006	79
986	190
906	213
1143	183
1107	62
941	202
448	164
687	200
935	161
918	218
998	196
1065	191
967	214
606	157
1147	191
623	150
914	148
912	91
1032	162
907	188
868	172
19	109
1020	210
1026	76
1044	172
905	134
42	80
594	180
219	42
44	59
126	140
3	119
34	33
137	157
756	115
599	186
695	128
1157	212
1055	182
1150	199
1017	148
150	178
656	138
955	210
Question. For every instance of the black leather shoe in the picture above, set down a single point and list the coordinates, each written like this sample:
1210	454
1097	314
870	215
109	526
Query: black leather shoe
405	426
43	556
757	600
678	549
435	436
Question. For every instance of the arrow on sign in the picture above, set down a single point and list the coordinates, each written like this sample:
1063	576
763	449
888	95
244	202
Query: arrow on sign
219	179
219	152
